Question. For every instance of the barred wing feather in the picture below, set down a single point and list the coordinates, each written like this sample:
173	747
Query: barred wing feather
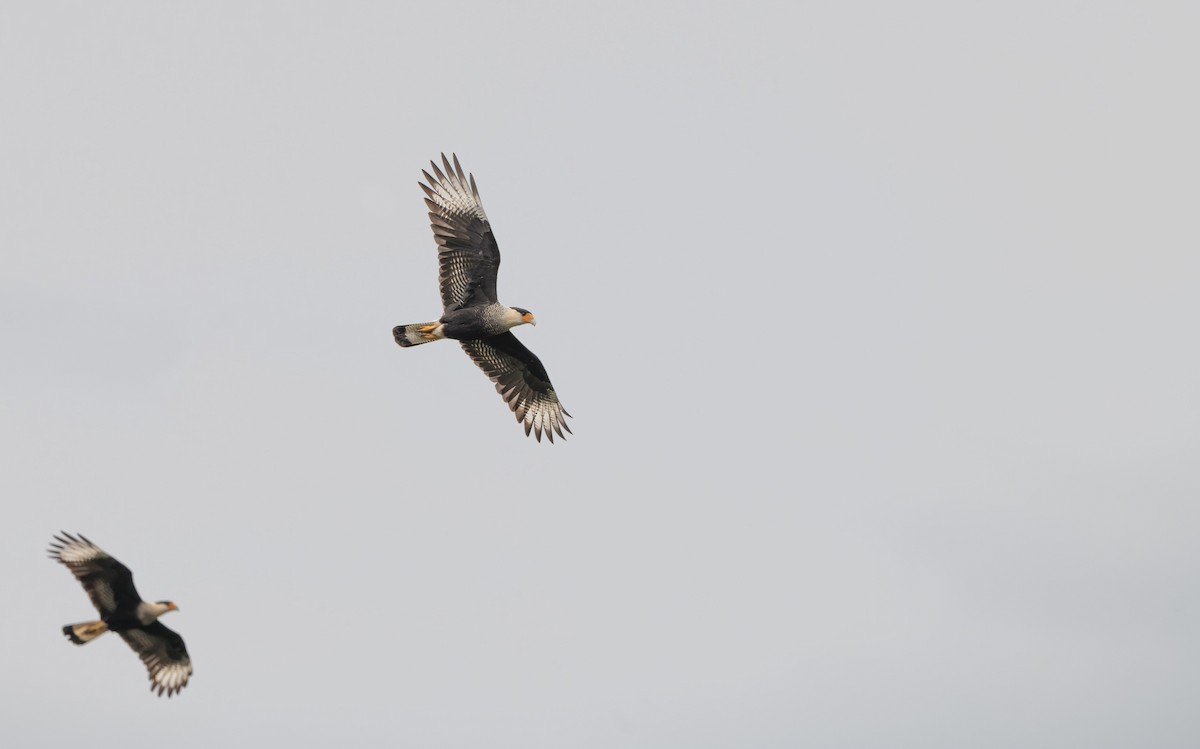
522	381
468	256
108	582
164	654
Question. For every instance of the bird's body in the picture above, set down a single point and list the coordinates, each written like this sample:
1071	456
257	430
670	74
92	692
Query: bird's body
122	620
464	324
468	260
110	586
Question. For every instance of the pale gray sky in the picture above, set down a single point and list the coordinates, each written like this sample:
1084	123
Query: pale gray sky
878	322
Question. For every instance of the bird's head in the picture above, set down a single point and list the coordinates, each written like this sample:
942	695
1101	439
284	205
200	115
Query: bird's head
526	317
168	606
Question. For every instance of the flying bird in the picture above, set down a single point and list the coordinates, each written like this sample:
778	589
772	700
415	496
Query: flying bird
468	259
110	586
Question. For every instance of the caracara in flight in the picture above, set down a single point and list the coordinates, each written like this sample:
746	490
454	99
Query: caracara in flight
468	259
110	586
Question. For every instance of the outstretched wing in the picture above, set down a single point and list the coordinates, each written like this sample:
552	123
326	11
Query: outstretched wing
522	381
468	256
164	654
108	582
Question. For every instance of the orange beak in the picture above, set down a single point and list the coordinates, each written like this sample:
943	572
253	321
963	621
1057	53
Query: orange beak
528	317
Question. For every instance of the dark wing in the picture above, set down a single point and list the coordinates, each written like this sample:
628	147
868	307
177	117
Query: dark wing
468	256
162	650
108	582
522	381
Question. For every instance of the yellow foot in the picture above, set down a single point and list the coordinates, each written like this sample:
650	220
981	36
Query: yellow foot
426	331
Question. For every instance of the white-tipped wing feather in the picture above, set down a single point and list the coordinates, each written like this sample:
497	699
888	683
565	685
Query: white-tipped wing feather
108	582
164	654
522	381
468	256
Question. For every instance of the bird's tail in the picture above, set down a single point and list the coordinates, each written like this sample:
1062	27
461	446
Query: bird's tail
415	335
84	631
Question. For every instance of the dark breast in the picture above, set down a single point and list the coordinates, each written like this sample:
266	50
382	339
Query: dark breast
122	620
472	323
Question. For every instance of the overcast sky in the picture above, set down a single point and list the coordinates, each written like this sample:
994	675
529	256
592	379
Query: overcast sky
878	323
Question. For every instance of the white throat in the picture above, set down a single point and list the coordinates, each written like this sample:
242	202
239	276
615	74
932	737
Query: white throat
149	611
511	318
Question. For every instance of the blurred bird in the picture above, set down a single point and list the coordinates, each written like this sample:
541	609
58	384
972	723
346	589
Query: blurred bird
110	586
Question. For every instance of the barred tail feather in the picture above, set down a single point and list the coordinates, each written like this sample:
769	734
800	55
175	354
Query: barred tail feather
84	631
418	333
